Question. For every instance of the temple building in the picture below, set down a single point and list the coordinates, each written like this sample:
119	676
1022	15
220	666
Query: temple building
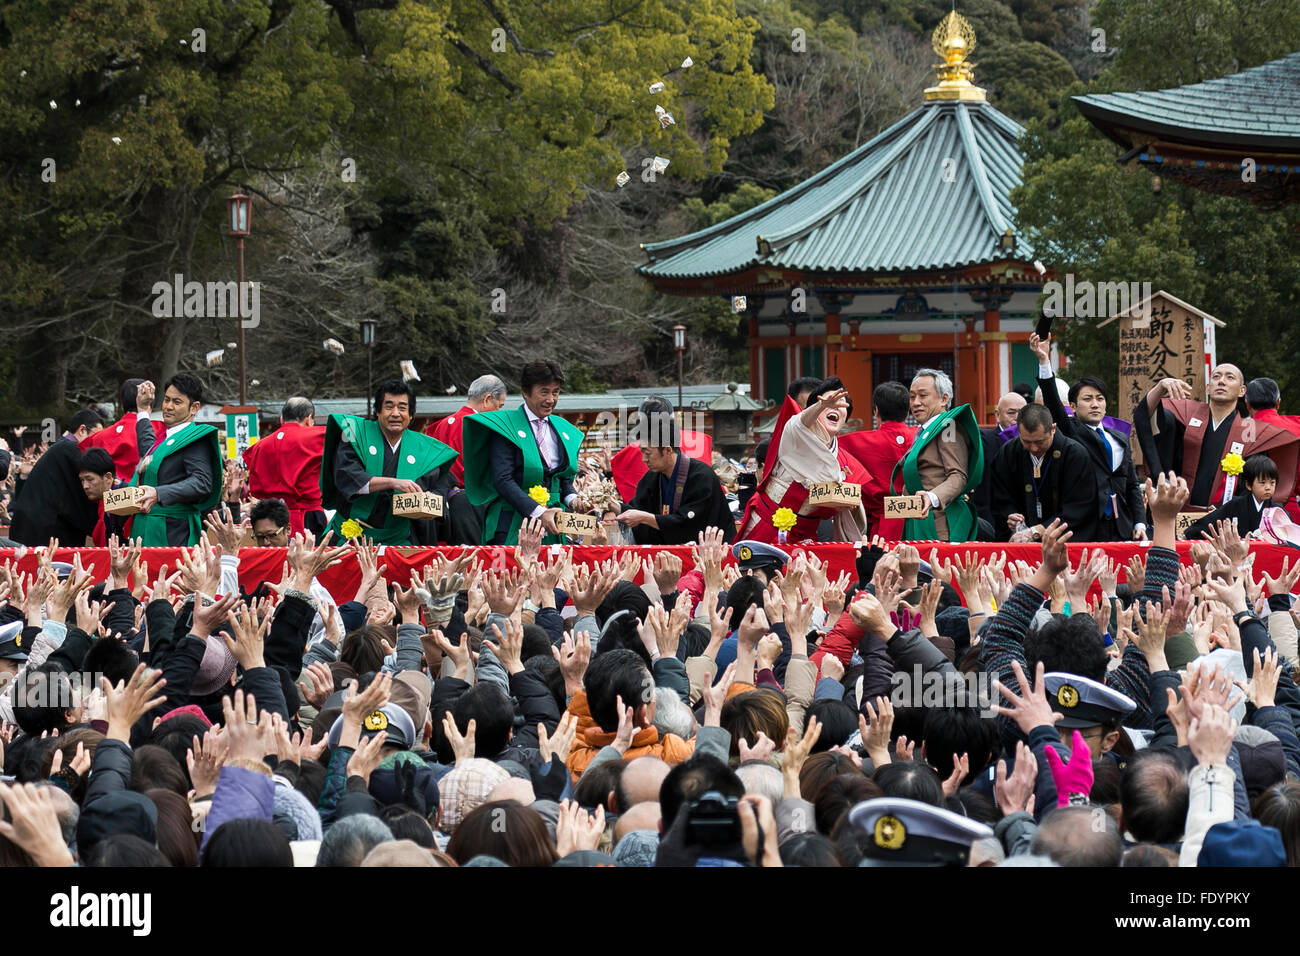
900	256
1238	135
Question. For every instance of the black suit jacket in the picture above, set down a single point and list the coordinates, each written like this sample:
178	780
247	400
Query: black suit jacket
1241	507
1066	489
704	504
51	503
982	497
1122	482
508	473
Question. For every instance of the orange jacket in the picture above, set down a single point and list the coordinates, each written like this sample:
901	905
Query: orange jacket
645	742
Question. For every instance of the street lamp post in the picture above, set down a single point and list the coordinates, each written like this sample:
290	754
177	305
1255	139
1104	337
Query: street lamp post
368	340
241	209
679	343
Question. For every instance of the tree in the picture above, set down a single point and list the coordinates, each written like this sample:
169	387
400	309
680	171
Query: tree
1086	215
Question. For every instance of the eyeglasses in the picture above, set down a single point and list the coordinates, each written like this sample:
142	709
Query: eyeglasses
267	537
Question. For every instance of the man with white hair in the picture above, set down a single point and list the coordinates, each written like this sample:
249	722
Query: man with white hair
487	393
286	465
945	464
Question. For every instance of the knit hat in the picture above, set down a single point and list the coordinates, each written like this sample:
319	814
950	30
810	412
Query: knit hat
297	812
188	710
1179	650
215	668
398	853
637	848
1242	843
465	787
1263	762
121	811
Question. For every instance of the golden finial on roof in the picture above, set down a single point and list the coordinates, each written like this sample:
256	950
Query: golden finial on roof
954	40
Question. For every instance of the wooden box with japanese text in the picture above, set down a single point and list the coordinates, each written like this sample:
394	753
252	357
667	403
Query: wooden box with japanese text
904	506
418	507
834	494
567	522
123	501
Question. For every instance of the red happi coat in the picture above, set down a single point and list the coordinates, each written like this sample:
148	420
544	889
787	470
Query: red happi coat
286	464
1291	423
879	451
449	431
118	439
756	523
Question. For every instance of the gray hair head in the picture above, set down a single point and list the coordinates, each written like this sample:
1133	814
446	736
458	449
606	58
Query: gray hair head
486	386
671	715
1028	859
942	383
347	842
762	779
297	409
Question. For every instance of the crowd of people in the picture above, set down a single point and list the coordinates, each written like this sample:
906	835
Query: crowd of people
742	707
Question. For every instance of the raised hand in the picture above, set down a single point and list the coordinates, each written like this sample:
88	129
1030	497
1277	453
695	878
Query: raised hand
561	742
131	699
762	749
576	829
573	655
34	824
1210	735
1031	710
875	737
797	749
508	646
224	530
459	654
1073	778
1016	793
205	759
249	641
322	684
462	745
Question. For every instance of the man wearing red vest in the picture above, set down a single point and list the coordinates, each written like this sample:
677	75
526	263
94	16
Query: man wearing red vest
118	439
1193	438
286	465
487	393
1263	398
879	451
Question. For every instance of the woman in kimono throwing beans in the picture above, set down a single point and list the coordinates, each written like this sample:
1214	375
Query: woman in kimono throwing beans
804	451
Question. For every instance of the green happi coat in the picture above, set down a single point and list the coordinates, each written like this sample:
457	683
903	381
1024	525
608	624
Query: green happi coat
960	513
513	426
151	528
417	455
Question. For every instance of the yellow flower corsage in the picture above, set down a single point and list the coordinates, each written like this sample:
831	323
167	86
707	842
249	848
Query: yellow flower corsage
351	529
1232	464
539	494
784	519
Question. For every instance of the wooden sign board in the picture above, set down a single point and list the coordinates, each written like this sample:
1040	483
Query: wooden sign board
122	501
567	522
903	506
1161	337
834	494
418	507
1186	519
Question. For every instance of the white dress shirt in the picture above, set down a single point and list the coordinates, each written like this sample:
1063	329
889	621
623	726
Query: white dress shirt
548	445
